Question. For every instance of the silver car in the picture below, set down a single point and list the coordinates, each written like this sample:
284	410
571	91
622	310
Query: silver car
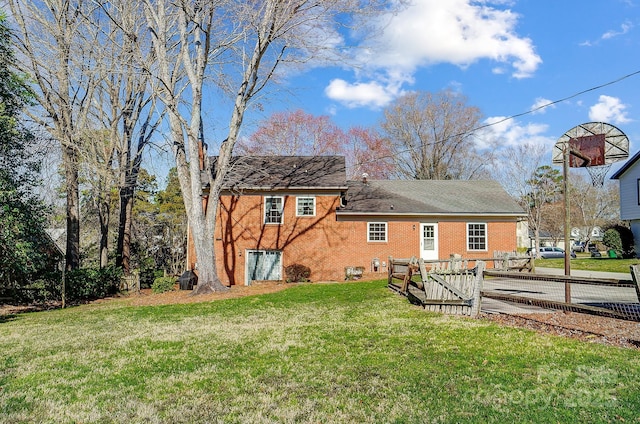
548	252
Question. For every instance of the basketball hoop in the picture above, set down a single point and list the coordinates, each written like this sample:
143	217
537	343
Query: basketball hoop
592	145
598	173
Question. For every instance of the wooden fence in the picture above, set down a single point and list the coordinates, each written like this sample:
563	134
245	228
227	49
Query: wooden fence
504	261
451	289
131	282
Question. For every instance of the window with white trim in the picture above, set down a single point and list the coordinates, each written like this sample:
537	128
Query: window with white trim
306	206
273	209
477	236
377	231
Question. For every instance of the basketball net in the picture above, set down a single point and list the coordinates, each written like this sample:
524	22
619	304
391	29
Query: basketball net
598	173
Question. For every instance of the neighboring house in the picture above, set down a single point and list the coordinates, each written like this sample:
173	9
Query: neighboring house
279	211
579	233
629	177
546	239
522	234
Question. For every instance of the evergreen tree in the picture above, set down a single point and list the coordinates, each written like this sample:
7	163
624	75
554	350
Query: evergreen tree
24	246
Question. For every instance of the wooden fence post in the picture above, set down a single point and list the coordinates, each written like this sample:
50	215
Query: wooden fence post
477	289
635	275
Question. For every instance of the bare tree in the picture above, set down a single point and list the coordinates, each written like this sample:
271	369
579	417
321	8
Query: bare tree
242	44
126	105
544	190
295	133
432	135
517	168
97	173
58	52
592	206
300	133
368	153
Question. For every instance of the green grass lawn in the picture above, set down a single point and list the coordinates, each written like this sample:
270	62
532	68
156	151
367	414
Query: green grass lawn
587	263
315	353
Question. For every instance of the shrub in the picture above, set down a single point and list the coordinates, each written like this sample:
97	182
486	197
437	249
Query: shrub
45	288
612	240
163	284
297	273
92	283
620	239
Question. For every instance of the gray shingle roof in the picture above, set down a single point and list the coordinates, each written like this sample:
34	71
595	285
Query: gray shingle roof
435	197
285	172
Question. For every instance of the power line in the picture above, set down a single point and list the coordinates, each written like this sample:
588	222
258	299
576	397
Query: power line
555	102
508	118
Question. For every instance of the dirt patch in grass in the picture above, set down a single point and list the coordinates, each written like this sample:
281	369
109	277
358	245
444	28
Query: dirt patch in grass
589	328
146	297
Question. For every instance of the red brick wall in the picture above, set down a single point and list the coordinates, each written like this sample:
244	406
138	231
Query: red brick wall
311	241
327	245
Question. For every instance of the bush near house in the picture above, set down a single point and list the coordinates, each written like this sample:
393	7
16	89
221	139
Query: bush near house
297	273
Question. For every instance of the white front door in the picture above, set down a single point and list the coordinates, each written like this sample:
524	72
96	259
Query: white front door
429	241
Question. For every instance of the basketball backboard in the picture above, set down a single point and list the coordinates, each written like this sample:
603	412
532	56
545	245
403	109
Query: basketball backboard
592	144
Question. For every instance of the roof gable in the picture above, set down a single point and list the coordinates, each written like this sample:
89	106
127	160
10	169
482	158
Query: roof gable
627	165
284	172
430	197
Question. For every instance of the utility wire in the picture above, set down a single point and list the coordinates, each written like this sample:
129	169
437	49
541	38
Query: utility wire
555	102
508	118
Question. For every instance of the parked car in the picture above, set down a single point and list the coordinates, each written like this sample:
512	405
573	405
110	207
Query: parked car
548	252
579	246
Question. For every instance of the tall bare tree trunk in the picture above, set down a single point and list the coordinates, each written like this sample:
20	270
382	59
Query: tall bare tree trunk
123	252
70	160
104	216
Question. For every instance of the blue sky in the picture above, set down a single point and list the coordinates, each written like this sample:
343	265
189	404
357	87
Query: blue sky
507	57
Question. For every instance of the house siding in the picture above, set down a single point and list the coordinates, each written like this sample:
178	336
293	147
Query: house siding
629	207
327	243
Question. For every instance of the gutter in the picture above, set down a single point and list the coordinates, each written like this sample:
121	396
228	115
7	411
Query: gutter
432	214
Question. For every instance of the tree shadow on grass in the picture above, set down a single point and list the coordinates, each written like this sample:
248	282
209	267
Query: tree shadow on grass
8	318
10	312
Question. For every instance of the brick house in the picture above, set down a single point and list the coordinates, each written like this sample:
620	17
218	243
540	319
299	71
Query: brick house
278	211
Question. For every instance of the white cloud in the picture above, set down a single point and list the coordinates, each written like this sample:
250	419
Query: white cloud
609	109
360	94
459	32
503	132
624	28
540	105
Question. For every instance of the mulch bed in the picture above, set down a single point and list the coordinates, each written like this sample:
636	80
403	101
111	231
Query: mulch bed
588	328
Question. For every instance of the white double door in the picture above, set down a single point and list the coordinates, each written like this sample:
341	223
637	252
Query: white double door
263	265
429	241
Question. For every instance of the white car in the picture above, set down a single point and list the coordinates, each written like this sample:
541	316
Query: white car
548	252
